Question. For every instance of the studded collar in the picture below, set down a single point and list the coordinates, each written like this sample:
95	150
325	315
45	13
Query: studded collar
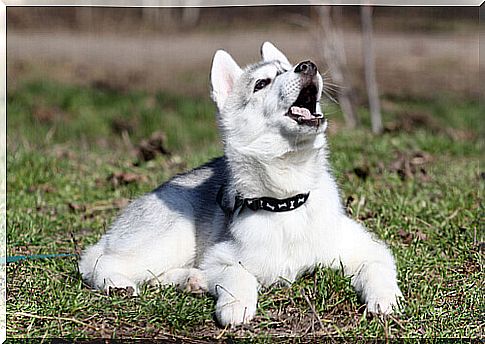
275	205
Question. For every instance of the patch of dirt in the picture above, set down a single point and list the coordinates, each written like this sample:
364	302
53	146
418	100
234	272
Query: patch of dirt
409	121
407	165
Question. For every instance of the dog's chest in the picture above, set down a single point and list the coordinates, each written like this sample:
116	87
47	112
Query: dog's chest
278	247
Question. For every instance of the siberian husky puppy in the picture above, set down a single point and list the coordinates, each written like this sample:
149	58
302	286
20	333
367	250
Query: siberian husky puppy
264	213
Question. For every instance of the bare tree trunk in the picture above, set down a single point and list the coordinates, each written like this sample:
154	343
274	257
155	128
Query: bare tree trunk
369	69
190	16
334	54
159	17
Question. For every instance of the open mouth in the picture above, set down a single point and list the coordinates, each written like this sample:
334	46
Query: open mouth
304	110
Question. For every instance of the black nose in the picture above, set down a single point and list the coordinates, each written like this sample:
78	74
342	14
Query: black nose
306	68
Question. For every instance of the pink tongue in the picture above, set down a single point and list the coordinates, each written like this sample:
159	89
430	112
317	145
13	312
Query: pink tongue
303	112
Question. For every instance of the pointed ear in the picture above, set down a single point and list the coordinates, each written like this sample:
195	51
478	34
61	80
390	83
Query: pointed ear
224	74
270	53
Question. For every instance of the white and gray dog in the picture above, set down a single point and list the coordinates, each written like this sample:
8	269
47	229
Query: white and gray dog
266	212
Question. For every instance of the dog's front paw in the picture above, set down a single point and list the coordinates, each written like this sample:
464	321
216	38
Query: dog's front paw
196	283
384	303
234	312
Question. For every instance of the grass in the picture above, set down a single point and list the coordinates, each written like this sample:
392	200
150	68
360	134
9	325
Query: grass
418	187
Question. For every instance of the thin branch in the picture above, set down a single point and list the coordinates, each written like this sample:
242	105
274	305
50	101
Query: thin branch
44	317
312	309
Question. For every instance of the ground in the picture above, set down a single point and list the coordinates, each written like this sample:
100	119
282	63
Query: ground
79	153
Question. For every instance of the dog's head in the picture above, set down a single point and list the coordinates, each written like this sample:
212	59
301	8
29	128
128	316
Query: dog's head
271	107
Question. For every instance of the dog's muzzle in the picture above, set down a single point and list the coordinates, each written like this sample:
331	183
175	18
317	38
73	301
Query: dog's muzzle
307	68
304	110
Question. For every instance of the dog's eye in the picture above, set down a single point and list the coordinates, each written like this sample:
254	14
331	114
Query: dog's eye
260	84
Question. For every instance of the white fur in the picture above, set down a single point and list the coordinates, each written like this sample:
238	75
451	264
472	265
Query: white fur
224	73
179	235
270	53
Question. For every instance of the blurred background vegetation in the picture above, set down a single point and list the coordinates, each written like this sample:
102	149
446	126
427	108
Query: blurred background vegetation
419	50
421	53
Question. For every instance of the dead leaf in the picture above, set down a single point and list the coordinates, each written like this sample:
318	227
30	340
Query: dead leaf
461	135
124	178
148	149
367	215
421	236
108	85
46	114
42	187
63	153
348	204
90	210
122	292
420	158
76	207
362	172
408	166
120	125
406	237
121	202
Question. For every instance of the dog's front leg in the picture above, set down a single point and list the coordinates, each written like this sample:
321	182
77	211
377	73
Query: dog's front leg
235	288
237	295
370	264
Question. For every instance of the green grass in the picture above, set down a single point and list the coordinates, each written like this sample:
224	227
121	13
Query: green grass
64	142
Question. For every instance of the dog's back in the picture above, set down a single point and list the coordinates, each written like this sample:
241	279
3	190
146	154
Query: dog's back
171	226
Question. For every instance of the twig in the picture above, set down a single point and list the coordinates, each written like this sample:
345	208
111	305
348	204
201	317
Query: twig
453	214
302	291
45	317
386	329
360	205
219	336
450	217
397	322
227	291
426	223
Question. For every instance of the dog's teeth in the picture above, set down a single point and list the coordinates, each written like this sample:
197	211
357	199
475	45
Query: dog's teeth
300	111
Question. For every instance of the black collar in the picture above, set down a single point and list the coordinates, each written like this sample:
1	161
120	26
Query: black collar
271	204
